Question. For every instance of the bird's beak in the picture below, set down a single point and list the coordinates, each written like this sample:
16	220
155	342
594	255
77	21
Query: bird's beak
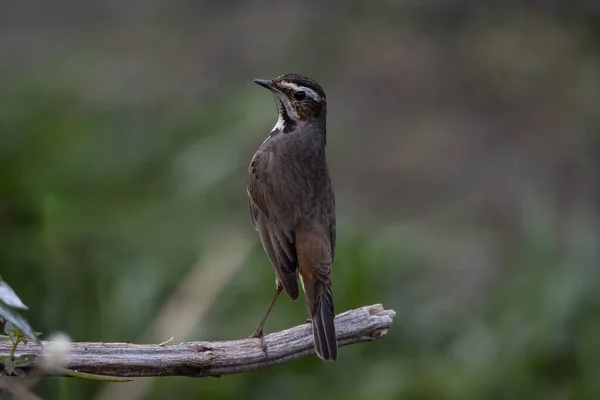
265	83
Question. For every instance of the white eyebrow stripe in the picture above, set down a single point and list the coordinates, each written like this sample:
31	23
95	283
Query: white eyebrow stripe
311	93
294	87
289	85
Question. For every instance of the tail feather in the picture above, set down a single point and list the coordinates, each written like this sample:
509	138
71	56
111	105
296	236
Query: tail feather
324	327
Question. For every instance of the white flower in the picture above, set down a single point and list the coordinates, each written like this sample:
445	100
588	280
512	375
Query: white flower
56	352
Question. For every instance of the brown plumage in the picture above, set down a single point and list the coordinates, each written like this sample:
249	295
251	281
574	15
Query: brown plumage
292	204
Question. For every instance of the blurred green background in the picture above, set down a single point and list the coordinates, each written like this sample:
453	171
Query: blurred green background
463	141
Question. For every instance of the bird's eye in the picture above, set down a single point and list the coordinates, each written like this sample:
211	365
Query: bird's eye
301	95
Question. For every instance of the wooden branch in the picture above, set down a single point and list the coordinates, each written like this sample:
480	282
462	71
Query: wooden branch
200	359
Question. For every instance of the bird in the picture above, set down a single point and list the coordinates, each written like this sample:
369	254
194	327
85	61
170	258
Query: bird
292	204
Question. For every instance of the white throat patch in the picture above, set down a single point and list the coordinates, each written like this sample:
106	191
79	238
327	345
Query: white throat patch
279	125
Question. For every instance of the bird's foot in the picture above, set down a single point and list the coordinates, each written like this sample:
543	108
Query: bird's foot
259	334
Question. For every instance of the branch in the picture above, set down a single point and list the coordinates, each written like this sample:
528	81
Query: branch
200	359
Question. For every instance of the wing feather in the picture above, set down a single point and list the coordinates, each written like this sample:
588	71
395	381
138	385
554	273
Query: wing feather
277	237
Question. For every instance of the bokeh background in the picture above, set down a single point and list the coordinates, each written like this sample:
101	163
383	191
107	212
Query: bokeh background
464	147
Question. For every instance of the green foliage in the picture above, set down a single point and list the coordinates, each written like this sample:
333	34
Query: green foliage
17	330
12	364
16	325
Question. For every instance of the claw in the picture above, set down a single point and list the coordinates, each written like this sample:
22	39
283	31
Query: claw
259	334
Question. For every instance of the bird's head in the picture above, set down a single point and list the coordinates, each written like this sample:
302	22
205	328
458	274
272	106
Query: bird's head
300	100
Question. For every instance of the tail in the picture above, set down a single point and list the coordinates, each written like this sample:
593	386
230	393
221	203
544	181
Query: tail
322	317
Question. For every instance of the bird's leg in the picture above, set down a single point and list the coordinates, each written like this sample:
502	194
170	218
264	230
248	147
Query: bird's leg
258	333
